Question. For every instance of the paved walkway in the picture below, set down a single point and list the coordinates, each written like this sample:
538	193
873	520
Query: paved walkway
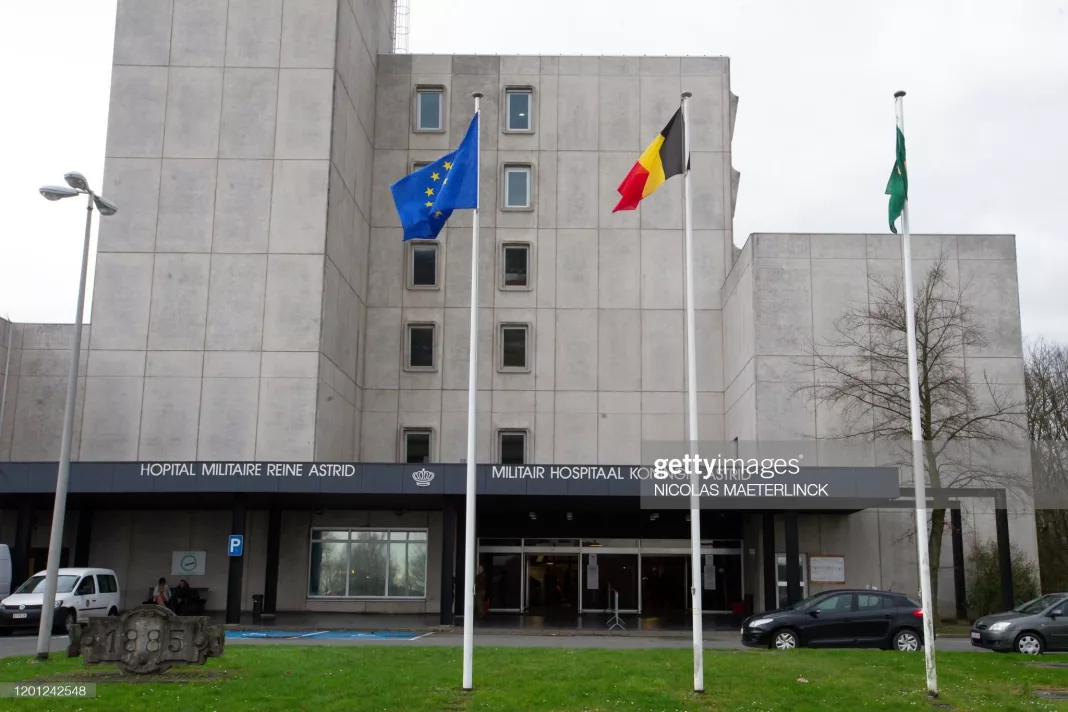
26	644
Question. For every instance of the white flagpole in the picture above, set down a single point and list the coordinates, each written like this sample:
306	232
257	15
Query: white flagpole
917	437
472	398
696	590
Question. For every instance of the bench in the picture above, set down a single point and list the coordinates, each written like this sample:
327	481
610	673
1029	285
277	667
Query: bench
195	607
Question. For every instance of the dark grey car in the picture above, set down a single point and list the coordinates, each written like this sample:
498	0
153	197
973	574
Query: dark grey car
1038	626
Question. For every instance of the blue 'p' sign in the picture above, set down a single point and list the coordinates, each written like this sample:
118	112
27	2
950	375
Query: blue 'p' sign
235	545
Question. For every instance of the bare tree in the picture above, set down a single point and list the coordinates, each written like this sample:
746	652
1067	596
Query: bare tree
1046	378
862	370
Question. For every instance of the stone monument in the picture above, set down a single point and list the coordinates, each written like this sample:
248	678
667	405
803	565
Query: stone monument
148	639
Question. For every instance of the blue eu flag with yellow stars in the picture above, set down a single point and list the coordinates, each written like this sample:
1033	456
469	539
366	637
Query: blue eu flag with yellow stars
425	199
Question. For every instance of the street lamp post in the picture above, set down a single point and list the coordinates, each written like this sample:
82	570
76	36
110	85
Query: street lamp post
78	186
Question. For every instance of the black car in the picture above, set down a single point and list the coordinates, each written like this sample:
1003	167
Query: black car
860	618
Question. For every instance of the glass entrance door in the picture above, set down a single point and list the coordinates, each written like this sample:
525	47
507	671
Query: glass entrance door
552	583
721	583
504	580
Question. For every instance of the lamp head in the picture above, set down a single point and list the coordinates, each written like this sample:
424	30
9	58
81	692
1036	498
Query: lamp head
58	192
76	181
106	207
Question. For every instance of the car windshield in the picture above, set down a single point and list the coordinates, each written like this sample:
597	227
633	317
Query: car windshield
1038	605
36	584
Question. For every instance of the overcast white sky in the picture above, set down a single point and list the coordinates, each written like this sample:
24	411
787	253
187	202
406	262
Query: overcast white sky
986	116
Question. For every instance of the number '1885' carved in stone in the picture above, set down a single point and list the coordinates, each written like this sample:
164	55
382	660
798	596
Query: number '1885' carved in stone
147	639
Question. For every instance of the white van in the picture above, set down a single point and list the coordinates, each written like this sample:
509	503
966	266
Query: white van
5	571
80	595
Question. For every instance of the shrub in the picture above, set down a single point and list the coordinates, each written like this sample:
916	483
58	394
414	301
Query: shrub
984	579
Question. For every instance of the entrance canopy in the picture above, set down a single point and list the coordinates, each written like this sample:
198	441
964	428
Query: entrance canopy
808	488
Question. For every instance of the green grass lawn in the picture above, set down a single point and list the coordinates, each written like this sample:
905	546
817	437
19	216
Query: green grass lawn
418	679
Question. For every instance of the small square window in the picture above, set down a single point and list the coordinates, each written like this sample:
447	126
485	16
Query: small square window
515	266
417	446
519	104
416	165
423	265
512	447
420	347
429	109
517	187
514	347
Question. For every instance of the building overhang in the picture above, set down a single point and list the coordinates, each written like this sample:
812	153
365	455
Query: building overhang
811	488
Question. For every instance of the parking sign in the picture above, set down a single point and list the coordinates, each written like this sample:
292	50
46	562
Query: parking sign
236	545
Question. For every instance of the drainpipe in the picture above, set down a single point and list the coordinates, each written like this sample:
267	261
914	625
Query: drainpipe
7	374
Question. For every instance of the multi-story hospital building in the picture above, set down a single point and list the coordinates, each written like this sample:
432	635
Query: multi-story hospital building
267	357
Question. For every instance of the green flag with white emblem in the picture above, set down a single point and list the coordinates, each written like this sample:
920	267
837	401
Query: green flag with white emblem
898	186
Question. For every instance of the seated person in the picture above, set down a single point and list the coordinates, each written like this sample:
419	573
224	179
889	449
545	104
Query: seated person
185	597
161	595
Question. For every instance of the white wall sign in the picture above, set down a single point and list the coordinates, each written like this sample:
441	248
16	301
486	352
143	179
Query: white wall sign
709	575
592	577
187	563
826	569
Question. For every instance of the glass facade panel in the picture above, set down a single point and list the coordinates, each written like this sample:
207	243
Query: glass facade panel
363	563
329	563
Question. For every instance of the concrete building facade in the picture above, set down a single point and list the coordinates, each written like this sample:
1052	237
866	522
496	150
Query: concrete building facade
255	302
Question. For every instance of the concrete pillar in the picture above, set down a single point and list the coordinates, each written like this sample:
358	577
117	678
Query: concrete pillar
960	586
274	542
771	593
84	537
237	568
793	565
461	523
20	555
1001	521
448	561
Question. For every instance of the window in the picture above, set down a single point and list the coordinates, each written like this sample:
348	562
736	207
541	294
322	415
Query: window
423	265
514	347
420	347
107	583
361	563
86	587
416	165
519	108
515	265
872	602
416	445
429	109
517	187
841	603
512	447
780	568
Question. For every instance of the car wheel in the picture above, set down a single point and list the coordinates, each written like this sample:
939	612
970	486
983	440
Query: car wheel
113	612
1029	643
906	641
65	620
785	639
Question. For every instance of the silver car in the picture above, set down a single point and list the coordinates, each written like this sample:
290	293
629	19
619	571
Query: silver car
1038	626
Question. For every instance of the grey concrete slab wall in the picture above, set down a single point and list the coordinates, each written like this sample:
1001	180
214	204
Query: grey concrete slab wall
37	391
240	152
604	303
783	295
342	330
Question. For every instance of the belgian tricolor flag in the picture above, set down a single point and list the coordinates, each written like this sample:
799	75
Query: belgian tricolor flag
662	160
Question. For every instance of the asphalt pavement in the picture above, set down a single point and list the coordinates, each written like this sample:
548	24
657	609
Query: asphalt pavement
23	644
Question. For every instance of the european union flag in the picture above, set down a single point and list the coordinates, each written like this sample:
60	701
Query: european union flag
425	199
